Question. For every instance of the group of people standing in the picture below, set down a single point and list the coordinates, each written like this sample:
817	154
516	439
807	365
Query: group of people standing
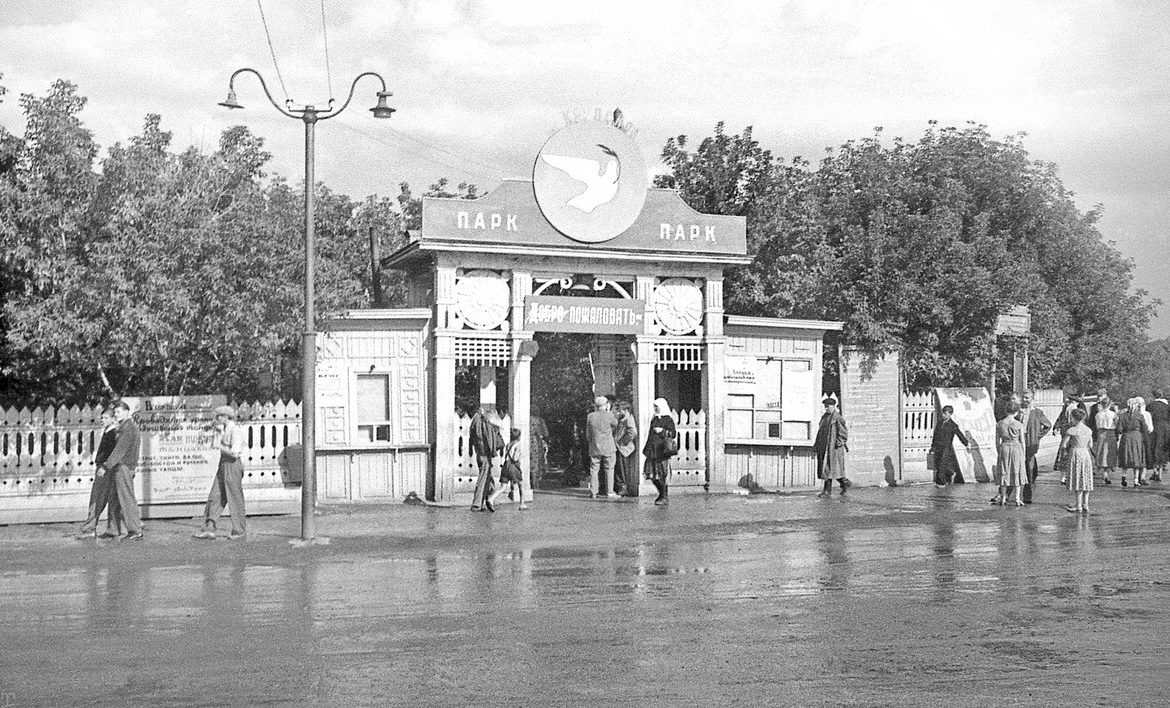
116	463
611	437
1135	440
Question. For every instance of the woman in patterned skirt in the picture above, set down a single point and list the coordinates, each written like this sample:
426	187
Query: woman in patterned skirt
1009	440
1131	444
1080	462
1105	449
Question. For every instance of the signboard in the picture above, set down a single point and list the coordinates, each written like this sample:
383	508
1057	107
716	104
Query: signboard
590	181
596	315
1015	323
739	373
975	417
510	216
178	459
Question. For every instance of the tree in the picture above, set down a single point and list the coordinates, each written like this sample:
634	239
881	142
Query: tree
917	246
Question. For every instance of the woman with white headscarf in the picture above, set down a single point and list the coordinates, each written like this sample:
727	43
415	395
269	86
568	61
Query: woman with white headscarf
661	445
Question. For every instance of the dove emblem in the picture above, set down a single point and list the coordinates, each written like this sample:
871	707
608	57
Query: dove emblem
600	186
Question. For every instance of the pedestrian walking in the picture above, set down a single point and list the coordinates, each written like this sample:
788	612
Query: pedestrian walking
102	493
1159	410
1009	440
227	489
486	443
830	446
510	473
1080	462
1036	426
661	445
122	464
626	439
946	462
600	425
1147	443
1105	447
1099	405
1131	446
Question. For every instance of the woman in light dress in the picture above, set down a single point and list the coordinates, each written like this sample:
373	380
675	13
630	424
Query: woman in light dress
1009	440
1080	462
1105	449
1147	443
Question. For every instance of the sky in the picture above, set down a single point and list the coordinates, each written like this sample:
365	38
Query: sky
479	86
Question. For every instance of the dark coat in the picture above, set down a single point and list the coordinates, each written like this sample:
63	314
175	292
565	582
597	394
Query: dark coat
105	446
1036	428
946	462
486	440
830	446
657	465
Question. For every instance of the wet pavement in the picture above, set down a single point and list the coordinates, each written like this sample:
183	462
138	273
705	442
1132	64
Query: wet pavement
908	596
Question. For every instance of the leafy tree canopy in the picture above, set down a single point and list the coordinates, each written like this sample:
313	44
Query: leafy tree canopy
918	246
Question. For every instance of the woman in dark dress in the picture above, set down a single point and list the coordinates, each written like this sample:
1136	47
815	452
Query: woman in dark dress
946	462
1131	445
662	430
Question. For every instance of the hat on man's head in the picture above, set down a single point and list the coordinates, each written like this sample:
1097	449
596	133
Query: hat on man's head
600	401
830	399
226	410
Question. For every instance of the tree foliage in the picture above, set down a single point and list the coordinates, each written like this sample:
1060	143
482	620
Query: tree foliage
918	246
162	272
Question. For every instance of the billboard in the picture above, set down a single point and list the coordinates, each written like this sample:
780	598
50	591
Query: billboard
975	416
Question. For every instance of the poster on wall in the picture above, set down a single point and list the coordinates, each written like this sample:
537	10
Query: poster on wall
178	459
975	417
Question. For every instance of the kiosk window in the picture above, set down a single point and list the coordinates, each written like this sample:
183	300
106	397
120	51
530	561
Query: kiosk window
779	408
373	407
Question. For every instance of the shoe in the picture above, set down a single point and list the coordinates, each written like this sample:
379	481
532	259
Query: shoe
1017	502
490	506
233	536
523	507
592	495
108	534
660	502
822	494
476	508
1064	482
1142	483
1108	481
940	486
205	534
1072	510
134	537
613	495
997	501
1123	482
1085	510
86	535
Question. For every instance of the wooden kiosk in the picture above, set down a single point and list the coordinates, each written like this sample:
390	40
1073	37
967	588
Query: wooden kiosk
583	247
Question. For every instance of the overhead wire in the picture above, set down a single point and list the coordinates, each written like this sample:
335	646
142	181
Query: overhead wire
495	176
325	33
272	51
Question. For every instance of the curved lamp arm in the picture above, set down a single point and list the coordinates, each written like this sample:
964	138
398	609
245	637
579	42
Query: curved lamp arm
232	89
332	113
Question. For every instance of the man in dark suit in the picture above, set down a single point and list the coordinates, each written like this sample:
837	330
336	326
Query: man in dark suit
1036	426
122	463
102	492
600	425
486	442
1159	410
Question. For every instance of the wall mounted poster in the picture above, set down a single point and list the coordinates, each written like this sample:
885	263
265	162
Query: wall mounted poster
178	459
975	417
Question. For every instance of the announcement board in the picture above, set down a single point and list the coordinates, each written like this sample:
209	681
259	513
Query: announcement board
975	417
596	315
178	459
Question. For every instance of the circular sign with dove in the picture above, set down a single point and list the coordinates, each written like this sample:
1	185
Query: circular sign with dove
590	181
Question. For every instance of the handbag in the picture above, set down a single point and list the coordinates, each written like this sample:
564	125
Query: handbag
931	462
670	445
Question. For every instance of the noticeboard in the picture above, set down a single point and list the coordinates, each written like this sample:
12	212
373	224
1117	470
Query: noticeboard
975	417
178	458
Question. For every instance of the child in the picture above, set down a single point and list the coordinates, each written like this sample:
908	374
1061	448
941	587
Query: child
510	473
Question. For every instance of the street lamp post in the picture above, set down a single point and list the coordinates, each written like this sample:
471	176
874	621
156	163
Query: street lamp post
309	115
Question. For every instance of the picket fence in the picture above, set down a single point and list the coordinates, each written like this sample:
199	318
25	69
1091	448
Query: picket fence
688	468
50	450
919	417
